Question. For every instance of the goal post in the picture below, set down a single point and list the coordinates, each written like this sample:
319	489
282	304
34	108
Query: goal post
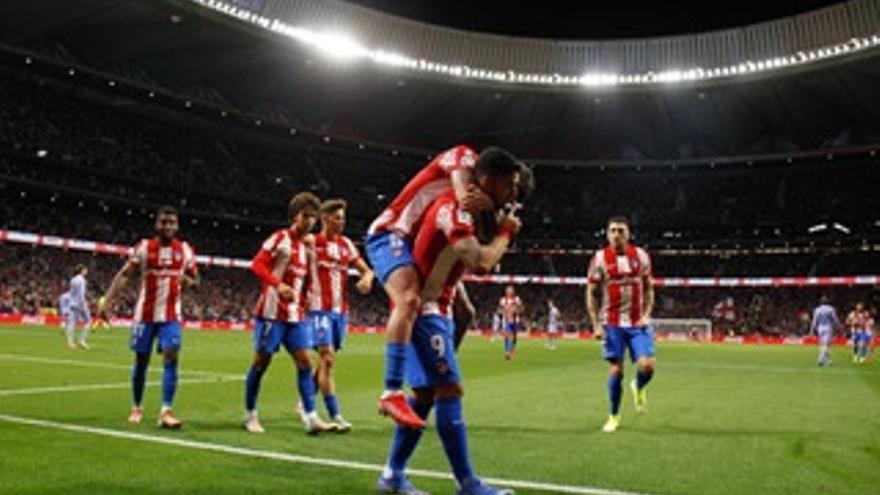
682	329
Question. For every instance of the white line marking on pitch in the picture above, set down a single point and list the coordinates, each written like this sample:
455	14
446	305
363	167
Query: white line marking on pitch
98	364
96	386
294	458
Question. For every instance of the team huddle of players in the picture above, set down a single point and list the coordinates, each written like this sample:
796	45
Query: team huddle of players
457	215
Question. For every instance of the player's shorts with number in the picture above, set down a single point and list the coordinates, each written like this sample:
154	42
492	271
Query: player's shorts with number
430	359
639	341
328	328
387	251
270	334
166	335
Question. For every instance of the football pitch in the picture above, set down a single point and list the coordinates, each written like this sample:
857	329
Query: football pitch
722	419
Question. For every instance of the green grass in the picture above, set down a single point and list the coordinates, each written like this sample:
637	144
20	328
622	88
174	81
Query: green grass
722	419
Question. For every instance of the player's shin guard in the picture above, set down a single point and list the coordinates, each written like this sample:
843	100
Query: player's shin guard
395	363
453	435
169	383
306	389
406	439
643	377
138	380
252	387
615	391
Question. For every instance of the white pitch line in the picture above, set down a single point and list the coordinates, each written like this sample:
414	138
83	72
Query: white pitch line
98	364
297	459
94	386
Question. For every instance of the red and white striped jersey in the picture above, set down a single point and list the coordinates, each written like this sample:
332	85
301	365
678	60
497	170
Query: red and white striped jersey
329	273
621	276
443	226
162	267
283	258
510	308
429	184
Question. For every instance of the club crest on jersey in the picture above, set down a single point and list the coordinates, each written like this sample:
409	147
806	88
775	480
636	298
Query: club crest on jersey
442	366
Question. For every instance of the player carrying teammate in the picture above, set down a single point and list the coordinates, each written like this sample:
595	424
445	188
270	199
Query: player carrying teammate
389	244
165	264
621	272
282	264
328	299
445	246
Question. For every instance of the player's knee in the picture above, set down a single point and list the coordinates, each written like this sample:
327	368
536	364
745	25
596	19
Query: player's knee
448	391
302	360
262	361
410	303
616	370
646	365
327	361
170	356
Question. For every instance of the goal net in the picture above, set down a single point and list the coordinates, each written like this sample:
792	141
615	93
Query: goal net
694	329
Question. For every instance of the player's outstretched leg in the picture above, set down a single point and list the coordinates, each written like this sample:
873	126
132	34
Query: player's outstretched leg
138	381
452	430
615	391
404	443
252	383
402	287
644	373
306	387
169	389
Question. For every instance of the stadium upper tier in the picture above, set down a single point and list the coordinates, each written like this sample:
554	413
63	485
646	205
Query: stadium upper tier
208	62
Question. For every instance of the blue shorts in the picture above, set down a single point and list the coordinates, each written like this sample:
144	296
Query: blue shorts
166	334
861	336
387	252
328	328
270	334
430	359
639	341
511	327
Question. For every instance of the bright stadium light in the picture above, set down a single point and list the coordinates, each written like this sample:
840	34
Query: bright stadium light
341	46
842	228
818	228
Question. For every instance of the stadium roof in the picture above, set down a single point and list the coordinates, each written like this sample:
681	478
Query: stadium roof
211	58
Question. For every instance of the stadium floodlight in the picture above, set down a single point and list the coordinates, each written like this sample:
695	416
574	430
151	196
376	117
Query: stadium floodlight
818	228
842	228
42	153
343	47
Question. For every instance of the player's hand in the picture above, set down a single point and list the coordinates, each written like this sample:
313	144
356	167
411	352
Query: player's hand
510	222
189	282
365	284
475	201
644	321
598	332
286	292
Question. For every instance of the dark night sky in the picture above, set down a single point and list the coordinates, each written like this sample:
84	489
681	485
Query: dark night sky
584	19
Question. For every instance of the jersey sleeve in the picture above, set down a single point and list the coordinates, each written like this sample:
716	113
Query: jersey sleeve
596	270
458	158
139	255
455	223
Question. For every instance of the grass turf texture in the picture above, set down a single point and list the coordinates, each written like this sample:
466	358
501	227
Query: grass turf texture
722	419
